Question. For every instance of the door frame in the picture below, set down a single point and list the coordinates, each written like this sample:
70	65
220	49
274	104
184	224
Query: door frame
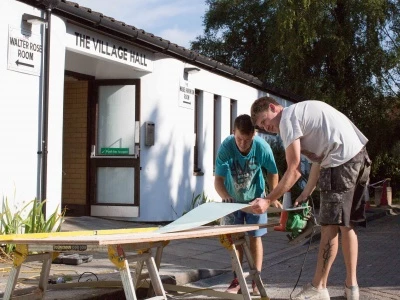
82	209
115	161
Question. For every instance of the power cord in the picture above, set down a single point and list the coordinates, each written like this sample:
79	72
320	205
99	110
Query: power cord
88	279
308	247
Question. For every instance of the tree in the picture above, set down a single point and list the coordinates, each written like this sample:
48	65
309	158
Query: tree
343	52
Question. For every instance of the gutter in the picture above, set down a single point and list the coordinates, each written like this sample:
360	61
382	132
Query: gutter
44	126
50	4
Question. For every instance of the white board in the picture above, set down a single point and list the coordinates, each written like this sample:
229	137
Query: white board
201	215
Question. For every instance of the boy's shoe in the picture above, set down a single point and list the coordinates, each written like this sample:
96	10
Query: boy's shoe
352	293
311	293
234	288
256	292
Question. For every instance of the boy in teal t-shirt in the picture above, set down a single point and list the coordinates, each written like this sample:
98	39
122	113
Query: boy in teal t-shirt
239	178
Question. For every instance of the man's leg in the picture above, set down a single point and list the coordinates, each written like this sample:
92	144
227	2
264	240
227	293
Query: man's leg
256	248
328	248
327	252
350	254
340	204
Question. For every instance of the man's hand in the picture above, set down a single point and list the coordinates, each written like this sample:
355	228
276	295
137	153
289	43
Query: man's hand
276	204
302	198
260	205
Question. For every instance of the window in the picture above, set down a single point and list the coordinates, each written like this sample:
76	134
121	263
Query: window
233	113
198	97
217	127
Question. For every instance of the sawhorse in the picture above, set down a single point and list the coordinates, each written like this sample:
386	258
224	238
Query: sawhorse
232	242
116	254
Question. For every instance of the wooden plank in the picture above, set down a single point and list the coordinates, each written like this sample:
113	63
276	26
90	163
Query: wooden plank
5	238
133	238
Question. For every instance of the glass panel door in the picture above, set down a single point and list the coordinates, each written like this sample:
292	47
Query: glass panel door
115	165
116	128
113	186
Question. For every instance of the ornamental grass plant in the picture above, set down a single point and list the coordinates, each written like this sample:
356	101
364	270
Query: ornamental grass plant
28	219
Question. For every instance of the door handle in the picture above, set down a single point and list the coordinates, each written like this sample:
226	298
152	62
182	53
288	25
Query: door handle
137	138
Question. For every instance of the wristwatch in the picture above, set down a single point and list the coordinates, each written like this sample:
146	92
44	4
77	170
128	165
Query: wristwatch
228	200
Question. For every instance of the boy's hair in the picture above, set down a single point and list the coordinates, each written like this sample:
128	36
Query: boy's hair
244	125
261	105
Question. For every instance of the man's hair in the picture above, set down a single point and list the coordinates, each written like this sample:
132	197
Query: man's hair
261	105
244	125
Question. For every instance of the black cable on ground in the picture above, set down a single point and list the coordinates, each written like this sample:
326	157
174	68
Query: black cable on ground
91	273
304	260
308	247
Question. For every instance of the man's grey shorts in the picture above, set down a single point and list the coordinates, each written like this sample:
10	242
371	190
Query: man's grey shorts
343	190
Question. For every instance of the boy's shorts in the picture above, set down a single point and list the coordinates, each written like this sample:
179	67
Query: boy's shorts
343	190
241	217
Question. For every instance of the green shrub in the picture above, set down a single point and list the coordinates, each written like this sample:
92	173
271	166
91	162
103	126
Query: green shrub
29	219
387	165
197	200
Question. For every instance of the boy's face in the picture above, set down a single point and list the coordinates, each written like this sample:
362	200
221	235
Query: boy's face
268	120
243	141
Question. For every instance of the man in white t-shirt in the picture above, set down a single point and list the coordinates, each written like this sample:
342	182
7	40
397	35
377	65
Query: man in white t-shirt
341	166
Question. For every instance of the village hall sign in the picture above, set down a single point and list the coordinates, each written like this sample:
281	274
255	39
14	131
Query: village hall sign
94	44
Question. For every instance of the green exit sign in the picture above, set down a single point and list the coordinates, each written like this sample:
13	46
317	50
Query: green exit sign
114	151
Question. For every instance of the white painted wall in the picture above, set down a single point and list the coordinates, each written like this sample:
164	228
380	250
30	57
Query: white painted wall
56	105
19	116
166	176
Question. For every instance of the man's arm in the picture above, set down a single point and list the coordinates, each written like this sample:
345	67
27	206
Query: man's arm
311	184
220	187
272	180
292	174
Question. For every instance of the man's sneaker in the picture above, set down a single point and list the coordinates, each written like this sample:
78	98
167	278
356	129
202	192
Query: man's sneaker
352	293
311	293
234	288
256	292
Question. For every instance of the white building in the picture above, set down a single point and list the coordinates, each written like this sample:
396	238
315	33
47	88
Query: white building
107	119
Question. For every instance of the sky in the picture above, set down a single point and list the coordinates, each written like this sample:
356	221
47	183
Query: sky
179	21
